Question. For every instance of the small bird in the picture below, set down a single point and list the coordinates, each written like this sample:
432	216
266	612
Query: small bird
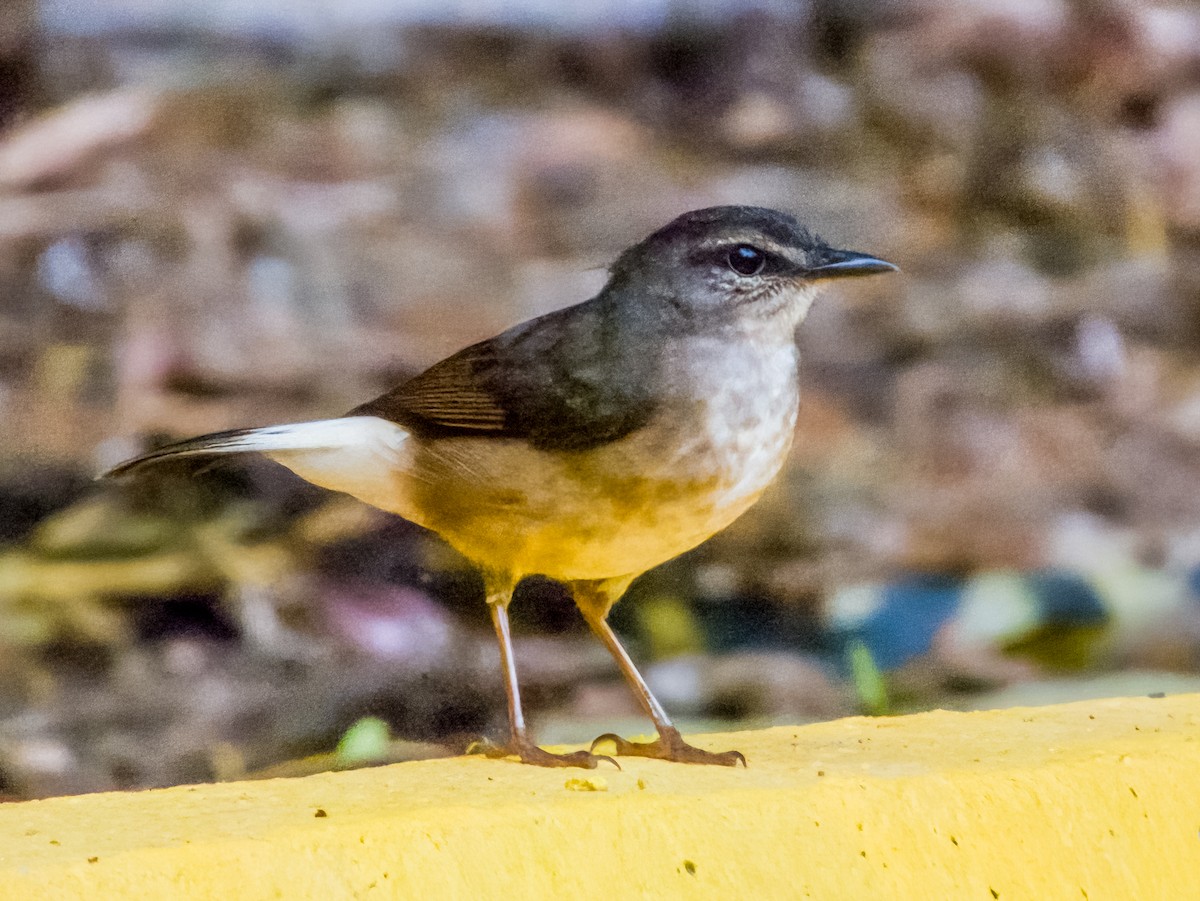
593	443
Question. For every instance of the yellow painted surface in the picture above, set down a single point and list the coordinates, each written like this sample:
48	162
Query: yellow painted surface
1096	800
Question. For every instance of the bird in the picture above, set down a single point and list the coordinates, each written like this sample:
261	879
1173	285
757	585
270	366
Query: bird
593	443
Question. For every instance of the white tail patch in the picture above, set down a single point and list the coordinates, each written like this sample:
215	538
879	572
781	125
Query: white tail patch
360	455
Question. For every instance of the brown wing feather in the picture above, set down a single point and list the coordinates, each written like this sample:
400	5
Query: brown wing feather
570	380
449	395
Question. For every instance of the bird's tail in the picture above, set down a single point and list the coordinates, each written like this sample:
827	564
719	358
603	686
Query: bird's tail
361	455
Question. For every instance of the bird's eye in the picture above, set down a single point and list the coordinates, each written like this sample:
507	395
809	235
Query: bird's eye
746	260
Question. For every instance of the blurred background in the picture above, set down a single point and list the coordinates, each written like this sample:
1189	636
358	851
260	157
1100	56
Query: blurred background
244	212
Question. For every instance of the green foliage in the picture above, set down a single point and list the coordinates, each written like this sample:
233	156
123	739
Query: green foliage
367	741
869	683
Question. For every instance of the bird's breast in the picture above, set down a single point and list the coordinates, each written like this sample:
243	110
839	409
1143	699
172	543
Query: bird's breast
720	433
744	406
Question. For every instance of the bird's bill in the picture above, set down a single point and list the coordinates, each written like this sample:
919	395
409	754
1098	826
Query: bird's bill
845	263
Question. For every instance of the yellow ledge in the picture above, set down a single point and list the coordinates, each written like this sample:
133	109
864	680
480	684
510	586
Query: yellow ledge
1099	799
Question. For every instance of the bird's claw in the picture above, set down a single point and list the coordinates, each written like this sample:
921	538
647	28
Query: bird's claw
528	752
669	746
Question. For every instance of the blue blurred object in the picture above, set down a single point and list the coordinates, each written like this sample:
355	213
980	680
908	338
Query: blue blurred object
899	621
1052	616
1067	599
1193	582
910	612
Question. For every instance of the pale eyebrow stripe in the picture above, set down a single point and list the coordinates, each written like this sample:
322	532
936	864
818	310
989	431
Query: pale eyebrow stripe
758	241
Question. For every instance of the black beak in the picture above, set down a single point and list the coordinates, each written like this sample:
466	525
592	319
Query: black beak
844	263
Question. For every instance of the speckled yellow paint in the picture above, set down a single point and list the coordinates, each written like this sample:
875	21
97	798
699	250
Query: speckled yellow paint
1096	800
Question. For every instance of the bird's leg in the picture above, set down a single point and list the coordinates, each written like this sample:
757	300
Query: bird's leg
520	745
594	600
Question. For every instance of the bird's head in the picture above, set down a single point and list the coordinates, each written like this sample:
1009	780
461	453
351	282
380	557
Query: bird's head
725	262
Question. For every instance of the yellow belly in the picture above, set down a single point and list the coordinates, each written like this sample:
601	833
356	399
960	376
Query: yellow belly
617	510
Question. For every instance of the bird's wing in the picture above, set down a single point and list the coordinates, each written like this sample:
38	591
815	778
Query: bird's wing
564	381
450	397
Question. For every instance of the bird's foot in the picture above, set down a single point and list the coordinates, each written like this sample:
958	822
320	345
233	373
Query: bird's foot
527	752
669	746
